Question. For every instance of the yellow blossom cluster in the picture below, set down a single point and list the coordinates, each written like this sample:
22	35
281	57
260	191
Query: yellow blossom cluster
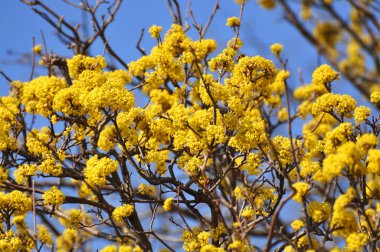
301	189
297	225
75	219
233	21
67	240
122	248
276	48
44	235
93	90
9	109
168	204
121	212
155	31
53	196
9	241
14	203
97	170
319	211
38	94
144	189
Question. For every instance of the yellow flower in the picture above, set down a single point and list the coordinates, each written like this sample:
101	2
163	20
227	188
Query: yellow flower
375	97
9	109
289	248
344	221
278	85
9	241
238	246
267	4
74	219
203	238
356	241
238	192
19	219
168	204
15	202
276	48
235	43
341	105
361	114
318	211
301	189
190	239
80	63
308	168
3	174
210	248
125	248
38	94
146	190
282	115
328	33
223	61
23	172
67	240
283	148
53	196
97	170
233	21
306	10
50	167
37	49
44	235
297	225
252	164
373	160
248	213
137	248
366	142
109	248
121	212
155	31
303	243
324	74
107	137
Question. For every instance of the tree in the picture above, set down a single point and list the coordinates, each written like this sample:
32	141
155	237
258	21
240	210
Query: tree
202	166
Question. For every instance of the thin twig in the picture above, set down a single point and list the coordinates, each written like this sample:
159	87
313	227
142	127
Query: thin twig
5	76
138	45
33	60
216	7
34	213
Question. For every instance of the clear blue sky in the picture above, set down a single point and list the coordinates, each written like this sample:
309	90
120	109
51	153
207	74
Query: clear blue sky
18	24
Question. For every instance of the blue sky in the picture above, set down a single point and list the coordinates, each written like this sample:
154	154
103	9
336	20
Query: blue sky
260	29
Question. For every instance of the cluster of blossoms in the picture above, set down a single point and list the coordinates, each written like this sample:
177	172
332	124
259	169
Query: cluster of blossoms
207	146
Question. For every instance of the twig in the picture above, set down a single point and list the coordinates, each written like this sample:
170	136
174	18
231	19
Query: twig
317	124
216	7
240	18
34	59
141	50
5	76
34	213
274	220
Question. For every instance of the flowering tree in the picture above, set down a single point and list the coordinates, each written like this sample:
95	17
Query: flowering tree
201	166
